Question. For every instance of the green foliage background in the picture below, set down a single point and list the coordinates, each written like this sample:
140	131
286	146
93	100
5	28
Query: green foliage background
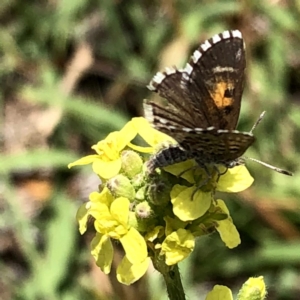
128	42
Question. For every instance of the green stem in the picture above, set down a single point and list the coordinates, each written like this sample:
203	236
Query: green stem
172	279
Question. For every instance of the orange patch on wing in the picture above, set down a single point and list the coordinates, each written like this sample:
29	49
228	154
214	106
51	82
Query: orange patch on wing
219	92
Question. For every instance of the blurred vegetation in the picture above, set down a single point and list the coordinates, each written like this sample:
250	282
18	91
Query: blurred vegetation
72	71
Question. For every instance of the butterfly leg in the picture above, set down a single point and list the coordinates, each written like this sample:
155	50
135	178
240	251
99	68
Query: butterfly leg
219	173
204	182
188	169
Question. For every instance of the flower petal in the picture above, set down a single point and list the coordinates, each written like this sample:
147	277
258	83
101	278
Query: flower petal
152	136
109	226
102	251
84	160
227	230
82	216
107	169
104	197
219	292
188	206
141	149
134	246
177	246
235	180
99	210
126	134
119	210
184	169
128	273
108	148
156	232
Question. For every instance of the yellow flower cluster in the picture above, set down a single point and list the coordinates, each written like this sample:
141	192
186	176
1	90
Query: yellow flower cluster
153	217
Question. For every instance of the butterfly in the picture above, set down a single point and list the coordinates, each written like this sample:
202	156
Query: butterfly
202	106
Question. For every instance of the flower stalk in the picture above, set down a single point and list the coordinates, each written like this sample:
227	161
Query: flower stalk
172	279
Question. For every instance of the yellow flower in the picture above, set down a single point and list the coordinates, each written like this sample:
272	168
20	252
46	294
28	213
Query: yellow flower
107	162
111	221
98	202
192	202
135	264
177	246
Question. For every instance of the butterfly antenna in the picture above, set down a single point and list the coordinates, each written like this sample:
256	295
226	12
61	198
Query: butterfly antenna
270	166
258	121
281	171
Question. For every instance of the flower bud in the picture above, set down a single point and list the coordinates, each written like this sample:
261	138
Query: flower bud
158	190
138	180
253	289
142	225
143	210
140	194
132	163
121	186
144	216
132	220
